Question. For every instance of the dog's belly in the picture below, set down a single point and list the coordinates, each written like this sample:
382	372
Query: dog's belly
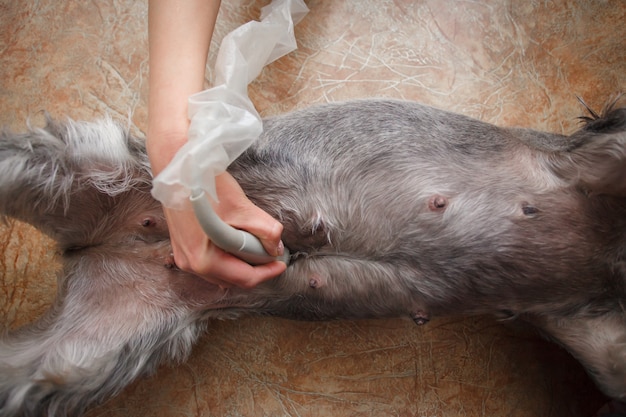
408	209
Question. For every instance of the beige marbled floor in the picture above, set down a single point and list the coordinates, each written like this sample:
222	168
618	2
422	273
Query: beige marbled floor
506	62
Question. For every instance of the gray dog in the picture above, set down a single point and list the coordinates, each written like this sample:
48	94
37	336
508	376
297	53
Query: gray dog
390	208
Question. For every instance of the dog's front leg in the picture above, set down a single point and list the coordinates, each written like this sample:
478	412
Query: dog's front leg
599	343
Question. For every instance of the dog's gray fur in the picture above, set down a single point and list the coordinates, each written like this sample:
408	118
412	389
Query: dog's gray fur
390	208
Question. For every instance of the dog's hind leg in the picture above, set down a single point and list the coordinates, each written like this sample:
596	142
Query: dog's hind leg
122	307
44	173
122	310
103	332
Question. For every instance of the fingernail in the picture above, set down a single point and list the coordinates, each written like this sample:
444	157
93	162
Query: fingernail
280	250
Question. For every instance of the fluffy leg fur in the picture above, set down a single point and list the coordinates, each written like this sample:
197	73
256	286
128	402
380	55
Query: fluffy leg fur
122	308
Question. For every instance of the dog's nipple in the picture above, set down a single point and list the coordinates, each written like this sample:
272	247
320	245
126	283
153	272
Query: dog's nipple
316	281
529	210
437	203
148	221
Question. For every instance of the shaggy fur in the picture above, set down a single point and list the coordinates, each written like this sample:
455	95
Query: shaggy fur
390	208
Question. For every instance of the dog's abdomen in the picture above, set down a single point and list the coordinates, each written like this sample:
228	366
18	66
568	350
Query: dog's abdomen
391	207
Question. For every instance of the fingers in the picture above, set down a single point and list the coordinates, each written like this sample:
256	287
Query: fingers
233	271
194	253
261	225
225	270
237	210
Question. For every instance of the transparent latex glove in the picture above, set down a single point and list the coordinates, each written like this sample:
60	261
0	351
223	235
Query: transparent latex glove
224	121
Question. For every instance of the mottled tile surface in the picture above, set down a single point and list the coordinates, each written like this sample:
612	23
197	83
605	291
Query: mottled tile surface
506	62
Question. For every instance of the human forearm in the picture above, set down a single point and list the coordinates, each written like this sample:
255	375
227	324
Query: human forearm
179	37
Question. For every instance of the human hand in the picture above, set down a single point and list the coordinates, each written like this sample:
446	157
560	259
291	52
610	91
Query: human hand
194	252
179	38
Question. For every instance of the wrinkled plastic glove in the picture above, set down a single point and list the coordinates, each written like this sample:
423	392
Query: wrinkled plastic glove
224	121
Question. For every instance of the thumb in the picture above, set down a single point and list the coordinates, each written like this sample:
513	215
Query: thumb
238	211
256	221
